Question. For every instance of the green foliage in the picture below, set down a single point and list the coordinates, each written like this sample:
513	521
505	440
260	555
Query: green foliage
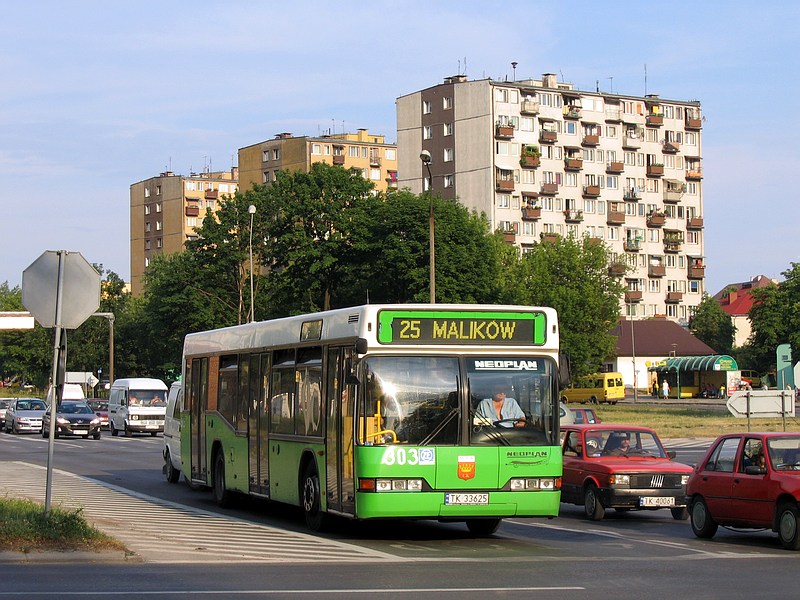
571	275
713	326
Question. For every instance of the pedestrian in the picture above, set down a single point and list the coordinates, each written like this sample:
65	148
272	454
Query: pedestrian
665	388
655	388
722	391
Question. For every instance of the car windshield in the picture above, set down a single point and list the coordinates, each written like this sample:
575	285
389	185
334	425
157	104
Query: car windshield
4	403
75	409
147	398
784	453
95	405
623	442
30	405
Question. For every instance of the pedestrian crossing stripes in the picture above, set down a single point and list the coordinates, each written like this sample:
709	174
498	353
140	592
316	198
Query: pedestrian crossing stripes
161	531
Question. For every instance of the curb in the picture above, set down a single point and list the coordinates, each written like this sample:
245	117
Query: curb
69	556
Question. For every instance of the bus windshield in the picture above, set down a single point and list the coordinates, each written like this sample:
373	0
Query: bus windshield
425	400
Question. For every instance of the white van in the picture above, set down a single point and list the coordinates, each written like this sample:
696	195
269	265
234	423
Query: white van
71	391
172	433
137	405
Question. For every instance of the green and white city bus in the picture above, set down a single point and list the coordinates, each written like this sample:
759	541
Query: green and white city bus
375	412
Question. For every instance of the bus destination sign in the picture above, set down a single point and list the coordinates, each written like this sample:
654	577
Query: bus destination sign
462	327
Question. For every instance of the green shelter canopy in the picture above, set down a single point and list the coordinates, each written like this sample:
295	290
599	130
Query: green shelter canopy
712	362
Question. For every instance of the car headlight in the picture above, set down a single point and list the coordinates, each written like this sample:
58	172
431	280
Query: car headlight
95	421
62	421
684	479
619	479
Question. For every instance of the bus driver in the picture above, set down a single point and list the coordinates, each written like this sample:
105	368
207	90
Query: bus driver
501	409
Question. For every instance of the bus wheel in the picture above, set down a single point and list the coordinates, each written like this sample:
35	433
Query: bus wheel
222	496
173	475
312	501
483	527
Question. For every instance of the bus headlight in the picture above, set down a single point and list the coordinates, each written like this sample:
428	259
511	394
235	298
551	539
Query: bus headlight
390	485
545	484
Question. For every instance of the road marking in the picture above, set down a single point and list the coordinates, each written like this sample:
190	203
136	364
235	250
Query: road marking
162	531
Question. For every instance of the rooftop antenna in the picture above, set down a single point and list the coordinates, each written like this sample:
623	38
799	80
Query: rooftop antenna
612	84
465	65
514	70
597	85
459	66
645	79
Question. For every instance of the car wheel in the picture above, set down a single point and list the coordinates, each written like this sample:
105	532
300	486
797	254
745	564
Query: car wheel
679	513
312	499
173	475
703	525
153	433
114	430
593	400
222	496
44	432
128	432
787	526
483	527
96	435
592	505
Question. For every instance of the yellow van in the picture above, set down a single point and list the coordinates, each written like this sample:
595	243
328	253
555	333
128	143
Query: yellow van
596	389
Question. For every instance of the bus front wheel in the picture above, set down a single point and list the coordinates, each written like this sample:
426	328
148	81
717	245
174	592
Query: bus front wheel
312	499
222	496
483	527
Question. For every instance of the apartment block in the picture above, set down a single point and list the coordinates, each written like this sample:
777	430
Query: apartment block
369	153
165	211
543	159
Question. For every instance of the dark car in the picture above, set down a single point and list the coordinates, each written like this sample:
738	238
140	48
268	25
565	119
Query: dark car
75	417
622	467
585	416
100	408
748	481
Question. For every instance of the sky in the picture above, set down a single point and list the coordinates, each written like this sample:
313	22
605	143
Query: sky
99	95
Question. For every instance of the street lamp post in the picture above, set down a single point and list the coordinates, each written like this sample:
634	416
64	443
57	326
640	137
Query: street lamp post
425	157
252	210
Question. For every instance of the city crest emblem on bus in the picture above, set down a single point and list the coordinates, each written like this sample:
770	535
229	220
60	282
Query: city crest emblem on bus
466	467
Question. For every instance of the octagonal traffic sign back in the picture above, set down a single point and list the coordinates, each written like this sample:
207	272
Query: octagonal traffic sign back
80	289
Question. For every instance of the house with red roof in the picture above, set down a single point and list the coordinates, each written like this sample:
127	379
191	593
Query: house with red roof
736	300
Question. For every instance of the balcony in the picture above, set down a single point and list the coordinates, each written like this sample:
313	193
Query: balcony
632	244
504	185
549	188
613	115
696	272
548	137
674	297
192	211
615	166
654	120
573	216
591	140
615	217
633	296
694	174
572	112
529	107
212	194
694	223
655	170
656	219
549	237
531	213
573	164
374	161
691	123
530	161
656	271
631	142
673	244
631	194
338	159
505	132
617	269
509	237
591	191
673	193
671	147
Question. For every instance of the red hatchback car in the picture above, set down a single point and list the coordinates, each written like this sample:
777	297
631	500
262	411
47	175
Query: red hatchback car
622	467
748	480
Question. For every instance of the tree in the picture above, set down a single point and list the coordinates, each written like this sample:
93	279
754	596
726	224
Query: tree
713	326
571	275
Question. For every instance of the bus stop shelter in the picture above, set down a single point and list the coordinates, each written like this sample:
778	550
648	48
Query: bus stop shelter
690	376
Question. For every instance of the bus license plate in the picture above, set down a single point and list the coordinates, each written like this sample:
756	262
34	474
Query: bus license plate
656	501
466	498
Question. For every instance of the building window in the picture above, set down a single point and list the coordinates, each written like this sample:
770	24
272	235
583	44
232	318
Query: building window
147	227
160	243
158	225
265	177
449	180
503	201
375	174
427	132
146	192
352	151
426	107
191	221
158	190
448	129
147	209
158	207
276	153
391	154
447	102
147	245
448	155
146	262
316	149
265	156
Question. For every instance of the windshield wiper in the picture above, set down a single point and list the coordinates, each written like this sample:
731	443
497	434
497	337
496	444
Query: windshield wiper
438	429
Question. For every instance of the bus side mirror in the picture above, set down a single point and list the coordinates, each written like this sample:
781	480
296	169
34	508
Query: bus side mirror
564	377
361	346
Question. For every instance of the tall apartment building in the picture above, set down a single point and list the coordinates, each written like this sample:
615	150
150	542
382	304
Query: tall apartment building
377	160
541	158
166	209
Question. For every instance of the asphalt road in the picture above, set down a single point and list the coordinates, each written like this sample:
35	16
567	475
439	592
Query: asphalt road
183	544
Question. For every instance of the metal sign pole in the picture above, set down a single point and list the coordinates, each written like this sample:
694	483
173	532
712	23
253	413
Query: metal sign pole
54	381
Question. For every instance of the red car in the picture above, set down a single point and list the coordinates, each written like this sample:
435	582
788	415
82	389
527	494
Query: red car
748	480
100	408
622	467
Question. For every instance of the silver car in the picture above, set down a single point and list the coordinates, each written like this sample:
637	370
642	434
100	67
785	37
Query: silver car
25	415
4	404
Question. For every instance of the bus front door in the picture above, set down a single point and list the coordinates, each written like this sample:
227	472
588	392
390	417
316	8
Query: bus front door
340	400
198	403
